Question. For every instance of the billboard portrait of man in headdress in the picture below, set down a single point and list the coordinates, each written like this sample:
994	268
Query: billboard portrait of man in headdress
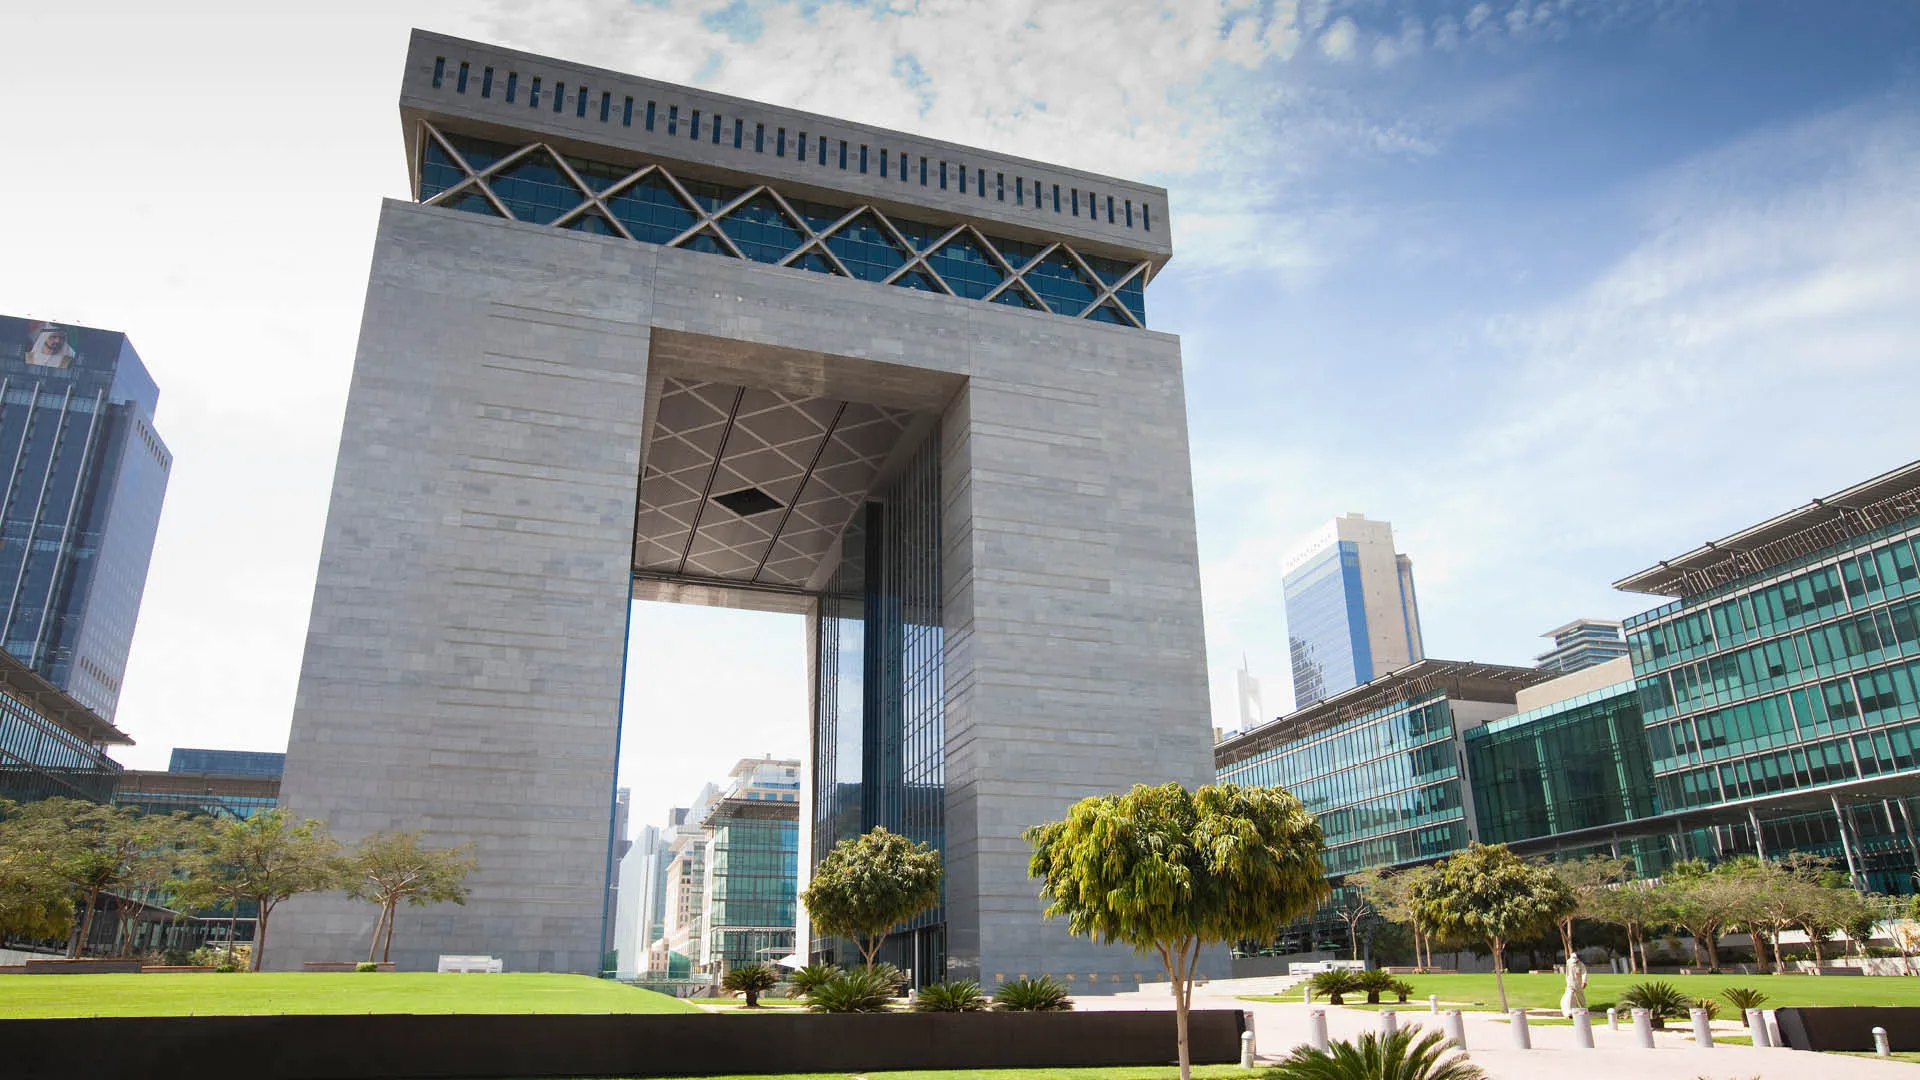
49	345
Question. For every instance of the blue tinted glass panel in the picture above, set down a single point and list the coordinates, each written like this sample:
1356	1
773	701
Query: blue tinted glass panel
535	189
437	171
917	280
1061	284
763	233
592	222
866	249
965	268
704	241
651	211
479	153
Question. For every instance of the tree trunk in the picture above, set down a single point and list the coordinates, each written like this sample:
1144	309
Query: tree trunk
1353	939
86	926
1182	1002
1815	940
1566	934
1759	946
233	922
1713	949
259	939
1500	969
393	916
373	947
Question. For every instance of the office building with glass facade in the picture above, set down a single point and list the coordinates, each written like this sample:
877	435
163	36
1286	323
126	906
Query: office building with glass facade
1351	611
677	346
265	763
1778	687
752	887
50	744
1581	644
82	502
1380	766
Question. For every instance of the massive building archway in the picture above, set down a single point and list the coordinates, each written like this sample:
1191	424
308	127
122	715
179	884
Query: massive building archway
638	340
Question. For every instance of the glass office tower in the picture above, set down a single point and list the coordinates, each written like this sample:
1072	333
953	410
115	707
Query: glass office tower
879	735
1580	763
1351	611
86	479
1781	687
752	867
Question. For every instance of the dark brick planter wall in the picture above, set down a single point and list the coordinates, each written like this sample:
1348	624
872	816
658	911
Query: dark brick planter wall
399	1047
1849	1027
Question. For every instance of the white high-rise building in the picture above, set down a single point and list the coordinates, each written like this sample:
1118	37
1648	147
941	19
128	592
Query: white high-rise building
639	887
1351	611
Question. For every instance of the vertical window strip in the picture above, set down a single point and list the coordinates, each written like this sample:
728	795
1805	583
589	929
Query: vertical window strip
533	94
1056	198
759	138
486	82
963	179
650	110
943	176
606	105
884	171
673	119
439	71
716	129
923	172
1129	213
1075	192
1019	191
843	155
461	86
863	158
739	127
626	113
559	95
780	142
801	156
1000	187
903	168
513	85
823	151
1146	219
693	125
1109	209
980	183
580	108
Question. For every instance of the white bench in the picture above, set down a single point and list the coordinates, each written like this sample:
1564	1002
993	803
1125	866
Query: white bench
476	965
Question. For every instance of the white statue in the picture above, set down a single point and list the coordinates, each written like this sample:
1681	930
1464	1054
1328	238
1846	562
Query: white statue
1576	995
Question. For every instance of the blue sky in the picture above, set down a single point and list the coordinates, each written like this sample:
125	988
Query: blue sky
1557	288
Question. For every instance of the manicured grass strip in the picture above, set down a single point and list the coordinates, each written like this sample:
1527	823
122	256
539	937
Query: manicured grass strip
1542	990
1898	1055
268	993
1166	1072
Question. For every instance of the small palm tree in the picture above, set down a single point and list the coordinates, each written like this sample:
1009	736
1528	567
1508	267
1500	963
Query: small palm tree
950	997
1407	1054
1335	985
1662	1000
860	990
805	979
1743	998
751	980
1402	989
1373	982
1032	995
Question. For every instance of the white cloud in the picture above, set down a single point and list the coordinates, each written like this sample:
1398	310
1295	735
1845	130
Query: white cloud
1753	350
1339	40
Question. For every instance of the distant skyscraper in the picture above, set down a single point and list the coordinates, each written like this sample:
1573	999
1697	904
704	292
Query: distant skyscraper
86	476
1252	712
1583	643
1351	612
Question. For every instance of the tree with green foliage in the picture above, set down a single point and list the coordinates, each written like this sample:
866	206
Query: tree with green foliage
869	884
90	847
1169	871
389	869
35	898
1703	903
1588	879
157	872
1488	893
266	860
1352	909
1392	895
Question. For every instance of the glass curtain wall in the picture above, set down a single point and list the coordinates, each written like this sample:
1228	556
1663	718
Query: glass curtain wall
879	734
752	867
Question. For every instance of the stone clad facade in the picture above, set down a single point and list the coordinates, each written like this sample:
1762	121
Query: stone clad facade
465	658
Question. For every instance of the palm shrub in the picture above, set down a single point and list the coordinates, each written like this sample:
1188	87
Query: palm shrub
1707	1003
1373	982
1335	985
1661	1000
803	980
950	997
751	980
893	975
1032	995
1743	998
1401	990
1407	1054
861	990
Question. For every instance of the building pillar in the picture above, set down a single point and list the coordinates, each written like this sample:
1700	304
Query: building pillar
1846	845
1906	821
1759	840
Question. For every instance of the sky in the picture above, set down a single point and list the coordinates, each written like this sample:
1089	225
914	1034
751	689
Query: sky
1557	288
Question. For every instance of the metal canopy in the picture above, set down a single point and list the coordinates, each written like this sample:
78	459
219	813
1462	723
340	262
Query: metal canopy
1881	501
28	687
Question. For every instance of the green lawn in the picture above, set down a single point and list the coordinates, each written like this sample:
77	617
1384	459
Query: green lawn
1543	990
1164	1072
740	1002
209	994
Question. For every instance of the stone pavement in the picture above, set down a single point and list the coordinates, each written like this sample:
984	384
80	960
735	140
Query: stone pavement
1279	1027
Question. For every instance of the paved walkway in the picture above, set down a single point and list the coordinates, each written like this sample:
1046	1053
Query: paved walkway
1279	1027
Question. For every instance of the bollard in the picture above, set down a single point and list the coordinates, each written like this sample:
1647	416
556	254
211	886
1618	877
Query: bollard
1774	1038
1306	992
1613	1018
1702	1029
1757	1027
1643	1028
1389	1022
1881	1047
1522	1038
1433	1004
1582	1029
1246	1049
1456	1029
1317	1029
1248	1020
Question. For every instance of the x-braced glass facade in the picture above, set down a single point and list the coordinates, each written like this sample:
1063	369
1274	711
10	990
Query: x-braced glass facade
879	732
535	183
